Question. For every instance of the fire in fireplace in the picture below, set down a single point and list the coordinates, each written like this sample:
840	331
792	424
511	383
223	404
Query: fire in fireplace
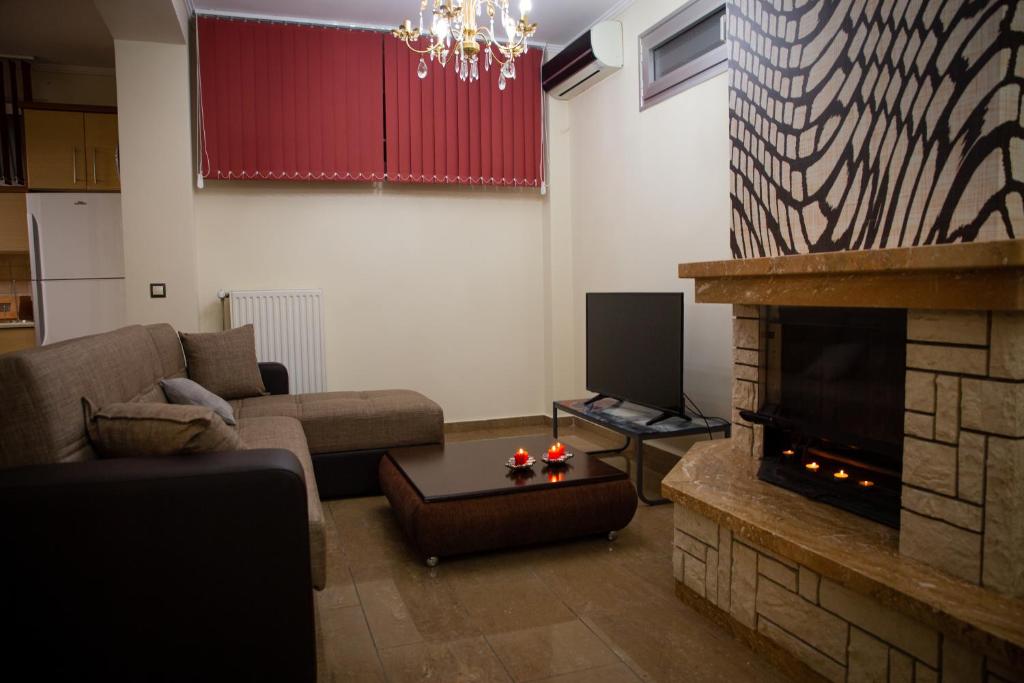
833	413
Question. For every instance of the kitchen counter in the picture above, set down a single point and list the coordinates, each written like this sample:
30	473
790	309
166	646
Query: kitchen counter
17	335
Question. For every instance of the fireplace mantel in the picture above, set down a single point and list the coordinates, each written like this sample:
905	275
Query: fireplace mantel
978	276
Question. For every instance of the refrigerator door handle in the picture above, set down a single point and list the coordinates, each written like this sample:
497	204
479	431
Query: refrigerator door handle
37	286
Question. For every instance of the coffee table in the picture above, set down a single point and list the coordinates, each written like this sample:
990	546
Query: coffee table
459	498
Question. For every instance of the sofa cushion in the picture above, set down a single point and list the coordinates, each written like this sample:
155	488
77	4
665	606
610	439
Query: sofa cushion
339	421
286	433
41	390
224	362
122	430
184	391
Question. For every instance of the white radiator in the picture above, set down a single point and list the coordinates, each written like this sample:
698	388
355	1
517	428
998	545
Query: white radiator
289	326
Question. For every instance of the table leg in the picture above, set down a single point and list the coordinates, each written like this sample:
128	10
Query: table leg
640	477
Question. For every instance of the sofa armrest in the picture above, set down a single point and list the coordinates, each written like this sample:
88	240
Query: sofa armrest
159	569
275	378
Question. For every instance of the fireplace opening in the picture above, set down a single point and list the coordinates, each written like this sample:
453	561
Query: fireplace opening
833	413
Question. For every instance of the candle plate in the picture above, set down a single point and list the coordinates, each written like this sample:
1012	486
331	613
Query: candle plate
511	464
560	461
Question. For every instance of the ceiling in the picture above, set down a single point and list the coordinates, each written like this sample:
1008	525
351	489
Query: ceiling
73	32
559	20
56	31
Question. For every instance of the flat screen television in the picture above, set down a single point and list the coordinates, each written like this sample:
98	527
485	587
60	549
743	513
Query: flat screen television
635	348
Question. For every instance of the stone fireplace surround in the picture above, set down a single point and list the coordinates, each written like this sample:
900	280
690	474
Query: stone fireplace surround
829	595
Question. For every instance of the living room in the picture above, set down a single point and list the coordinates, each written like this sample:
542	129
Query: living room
751	182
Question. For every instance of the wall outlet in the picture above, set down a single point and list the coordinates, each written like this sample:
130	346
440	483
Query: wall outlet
157	290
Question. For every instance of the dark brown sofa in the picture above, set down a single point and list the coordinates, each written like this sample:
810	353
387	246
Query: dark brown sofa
175	568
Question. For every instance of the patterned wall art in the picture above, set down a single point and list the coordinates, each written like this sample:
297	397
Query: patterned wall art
868	124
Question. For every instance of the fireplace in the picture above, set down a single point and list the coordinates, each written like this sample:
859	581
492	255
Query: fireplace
834	406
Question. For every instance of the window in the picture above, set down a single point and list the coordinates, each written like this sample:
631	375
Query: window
684	49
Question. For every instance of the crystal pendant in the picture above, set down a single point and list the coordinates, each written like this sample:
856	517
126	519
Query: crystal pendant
474	70
507	70
511	68
444	57
502	84
421	70
463	71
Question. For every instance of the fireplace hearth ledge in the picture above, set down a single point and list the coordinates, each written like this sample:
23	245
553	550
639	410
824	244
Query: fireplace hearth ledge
974	276
854	552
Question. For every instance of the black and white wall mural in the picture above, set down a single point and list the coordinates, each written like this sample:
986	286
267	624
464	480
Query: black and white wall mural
868	124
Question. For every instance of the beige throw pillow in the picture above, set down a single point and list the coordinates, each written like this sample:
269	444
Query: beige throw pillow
123	430
224	362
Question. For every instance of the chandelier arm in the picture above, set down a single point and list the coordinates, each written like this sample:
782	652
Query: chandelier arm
432	48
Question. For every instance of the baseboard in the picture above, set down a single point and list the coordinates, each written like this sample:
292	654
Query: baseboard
503	423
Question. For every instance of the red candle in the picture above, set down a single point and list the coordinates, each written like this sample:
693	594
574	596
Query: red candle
521	457
556	452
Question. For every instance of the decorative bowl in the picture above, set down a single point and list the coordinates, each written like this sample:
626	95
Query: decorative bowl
561	461
511	464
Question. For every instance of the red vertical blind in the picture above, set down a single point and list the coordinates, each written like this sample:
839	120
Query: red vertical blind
290	102
443	130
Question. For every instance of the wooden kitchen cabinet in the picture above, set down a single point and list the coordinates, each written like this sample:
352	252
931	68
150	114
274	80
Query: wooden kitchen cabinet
101	152
71	150
13	222
55	150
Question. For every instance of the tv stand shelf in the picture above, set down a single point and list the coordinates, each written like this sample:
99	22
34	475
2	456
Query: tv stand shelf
637	424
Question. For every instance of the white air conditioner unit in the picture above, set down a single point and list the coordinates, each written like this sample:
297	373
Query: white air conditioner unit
589	59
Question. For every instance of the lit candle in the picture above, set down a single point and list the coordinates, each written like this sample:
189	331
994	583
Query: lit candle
789	451
556	452
841	475
521	456
866	483
813	466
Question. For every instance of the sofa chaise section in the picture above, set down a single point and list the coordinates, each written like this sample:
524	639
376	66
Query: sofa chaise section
348	431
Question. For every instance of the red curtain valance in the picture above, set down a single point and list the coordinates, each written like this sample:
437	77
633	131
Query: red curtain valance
288	101
443	130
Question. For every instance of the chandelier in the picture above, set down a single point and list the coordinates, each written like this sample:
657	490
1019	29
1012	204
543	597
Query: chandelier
456	35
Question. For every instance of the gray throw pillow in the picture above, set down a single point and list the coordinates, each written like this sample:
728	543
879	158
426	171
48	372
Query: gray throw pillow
186	392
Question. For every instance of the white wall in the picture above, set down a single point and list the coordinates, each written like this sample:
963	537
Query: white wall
156	175
73	85
650	190
435	289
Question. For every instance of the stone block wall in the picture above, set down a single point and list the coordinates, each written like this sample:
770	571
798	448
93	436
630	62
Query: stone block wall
837	634
963	452
963	469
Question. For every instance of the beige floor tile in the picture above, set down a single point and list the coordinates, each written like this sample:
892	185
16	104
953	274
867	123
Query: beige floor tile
614	673
500	592
458	661
348	650
409	603
662	641
545	651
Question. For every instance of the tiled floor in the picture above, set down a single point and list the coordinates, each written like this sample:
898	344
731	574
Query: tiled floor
590	610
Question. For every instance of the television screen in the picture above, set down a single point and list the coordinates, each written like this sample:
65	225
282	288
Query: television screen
635	348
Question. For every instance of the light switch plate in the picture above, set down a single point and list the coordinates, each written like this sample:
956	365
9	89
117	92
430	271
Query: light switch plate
157	290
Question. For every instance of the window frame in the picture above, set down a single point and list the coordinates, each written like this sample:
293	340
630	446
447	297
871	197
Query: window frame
653	91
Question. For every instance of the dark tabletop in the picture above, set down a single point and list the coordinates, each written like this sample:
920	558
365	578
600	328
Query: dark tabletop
475	469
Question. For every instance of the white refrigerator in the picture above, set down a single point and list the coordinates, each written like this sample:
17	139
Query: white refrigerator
77	257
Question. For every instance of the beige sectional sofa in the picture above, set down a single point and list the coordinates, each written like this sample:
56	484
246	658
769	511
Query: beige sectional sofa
43	438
